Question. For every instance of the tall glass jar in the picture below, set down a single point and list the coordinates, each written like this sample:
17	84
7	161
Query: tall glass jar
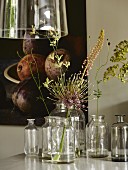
31	138
58	131
97	137
119	140
78	122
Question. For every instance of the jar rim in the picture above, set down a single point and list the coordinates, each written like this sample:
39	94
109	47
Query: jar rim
57	117
99	116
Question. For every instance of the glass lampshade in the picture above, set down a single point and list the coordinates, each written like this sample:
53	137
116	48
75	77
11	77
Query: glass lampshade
37	17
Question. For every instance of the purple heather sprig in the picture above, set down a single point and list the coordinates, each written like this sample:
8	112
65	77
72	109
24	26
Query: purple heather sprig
88	63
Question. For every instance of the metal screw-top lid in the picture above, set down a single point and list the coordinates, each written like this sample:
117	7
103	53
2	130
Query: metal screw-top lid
120	118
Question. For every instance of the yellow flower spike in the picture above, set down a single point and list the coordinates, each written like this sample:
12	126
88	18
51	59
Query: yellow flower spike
88	63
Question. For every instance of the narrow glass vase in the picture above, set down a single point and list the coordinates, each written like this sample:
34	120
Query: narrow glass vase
31	139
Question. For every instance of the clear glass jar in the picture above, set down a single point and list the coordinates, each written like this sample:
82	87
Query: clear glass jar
97	137
58	131
78	122
46	139
119	140
31	138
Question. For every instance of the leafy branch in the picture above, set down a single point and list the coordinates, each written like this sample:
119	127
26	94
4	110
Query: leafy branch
120	69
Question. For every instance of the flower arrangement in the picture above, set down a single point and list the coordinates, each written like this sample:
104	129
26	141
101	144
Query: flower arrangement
73	90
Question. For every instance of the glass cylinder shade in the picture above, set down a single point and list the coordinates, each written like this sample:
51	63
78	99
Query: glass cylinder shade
37	17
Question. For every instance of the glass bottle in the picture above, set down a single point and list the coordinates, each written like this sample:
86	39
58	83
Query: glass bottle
97	137
46	139
119	140
63	140
78	122
87	131
31	138
58	140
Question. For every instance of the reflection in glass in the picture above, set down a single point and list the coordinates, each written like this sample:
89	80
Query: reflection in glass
63	166
31	163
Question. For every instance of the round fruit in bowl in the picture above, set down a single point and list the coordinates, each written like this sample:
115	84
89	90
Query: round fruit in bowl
31	64
55	63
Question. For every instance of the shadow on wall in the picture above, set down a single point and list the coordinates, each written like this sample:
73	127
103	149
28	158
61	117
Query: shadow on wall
110	112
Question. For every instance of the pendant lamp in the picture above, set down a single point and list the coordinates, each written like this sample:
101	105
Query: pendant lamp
37	17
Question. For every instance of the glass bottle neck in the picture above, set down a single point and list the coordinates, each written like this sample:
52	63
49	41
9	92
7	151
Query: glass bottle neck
31	121
57	120
61	105
98	118
120	118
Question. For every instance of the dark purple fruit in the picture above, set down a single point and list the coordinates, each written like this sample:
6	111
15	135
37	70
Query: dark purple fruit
26	98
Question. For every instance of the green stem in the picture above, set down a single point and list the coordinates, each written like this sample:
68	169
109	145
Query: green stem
57	156
97	114
97	102
38	84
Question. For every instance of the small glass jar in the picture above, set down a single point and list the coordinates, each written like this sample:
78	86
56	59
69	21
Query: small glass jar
119	140
78	122
31	138
97	137
46	139
58	131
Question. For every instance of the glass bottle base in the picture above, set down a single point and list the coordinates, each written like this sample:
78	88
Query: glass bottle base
120	158
97	154
63	159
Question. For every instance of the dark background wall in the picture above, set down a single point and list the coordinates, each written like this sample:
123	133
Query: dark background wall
75	43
